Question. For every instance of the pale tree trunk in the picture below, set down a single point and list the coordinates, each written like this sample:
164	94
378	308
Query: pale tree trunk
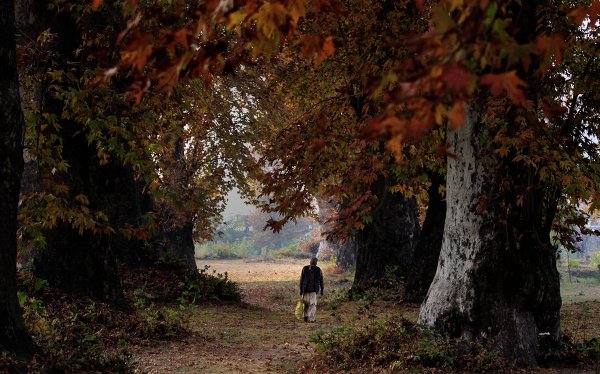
13	334
494	284
387	243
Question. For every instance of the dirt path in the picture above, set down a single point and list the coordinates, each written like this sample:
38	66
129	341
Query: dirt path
262	337
232	339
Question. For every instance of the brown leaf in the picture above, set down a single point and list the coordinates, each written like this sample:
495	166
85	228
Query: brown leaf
580	14
481	204
550	47
317	145
181	37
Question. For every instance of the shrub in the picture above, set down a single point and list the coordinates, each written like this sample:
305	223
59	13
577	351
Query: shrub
163	323
72	333
196	286
596	260
226	251
396	345
291	251
573	263
80	335
219	250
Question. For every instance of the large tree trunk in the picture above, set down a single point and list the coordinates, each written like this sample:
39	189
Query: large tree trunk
86	263
428	248
176	241
344	251
176	245
83	263
386	245
181	242
496	283
13	334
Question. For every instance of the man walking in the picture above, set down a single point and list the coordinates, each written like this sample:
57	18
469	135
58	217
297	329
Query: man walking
311	282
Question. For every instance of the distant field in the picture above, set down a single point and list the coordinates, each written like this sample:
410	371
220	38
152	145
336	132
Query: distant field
579	288
250	270
288	270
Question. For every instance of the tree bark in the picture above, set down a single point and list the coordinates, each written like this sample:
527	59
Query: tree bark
176	241
429	244
387	243
178	244
13	334
343	250
496	283
84	263
81	264
182	245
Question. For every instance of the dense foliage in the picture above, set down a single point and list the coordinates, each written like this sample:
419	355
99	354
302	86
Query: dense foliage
140	117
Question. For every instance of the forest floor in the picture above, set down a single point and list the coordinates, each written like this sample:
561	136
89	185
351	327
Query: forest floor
263	335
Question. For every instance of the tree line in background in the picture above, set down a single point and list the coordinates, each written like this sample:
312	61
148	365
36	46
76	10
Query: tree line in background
454	140
244	236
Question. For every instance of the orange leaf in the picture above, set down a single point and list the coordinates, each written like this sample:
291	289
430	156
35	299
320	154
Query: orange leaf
130	25
314	46
327	50
456	115
502	151
96	4
508	82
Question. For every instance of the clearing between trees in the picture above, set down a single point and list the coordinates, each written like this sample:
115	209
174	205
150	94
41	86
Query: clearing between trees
263	335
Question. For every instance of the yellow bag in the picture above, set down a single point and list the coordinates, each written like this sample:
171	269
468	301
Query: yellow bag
299	308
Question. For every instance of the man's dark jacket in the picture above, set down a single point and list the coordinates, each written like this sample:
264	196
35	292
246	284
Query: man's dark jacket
305	276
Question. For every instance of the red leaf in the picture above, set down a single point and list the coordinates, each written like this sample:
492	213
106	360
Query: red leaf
181	37
456	78
549	47
580	14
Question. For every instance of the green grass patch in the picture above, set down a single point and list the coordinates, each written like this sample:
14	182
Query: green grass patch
583	285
